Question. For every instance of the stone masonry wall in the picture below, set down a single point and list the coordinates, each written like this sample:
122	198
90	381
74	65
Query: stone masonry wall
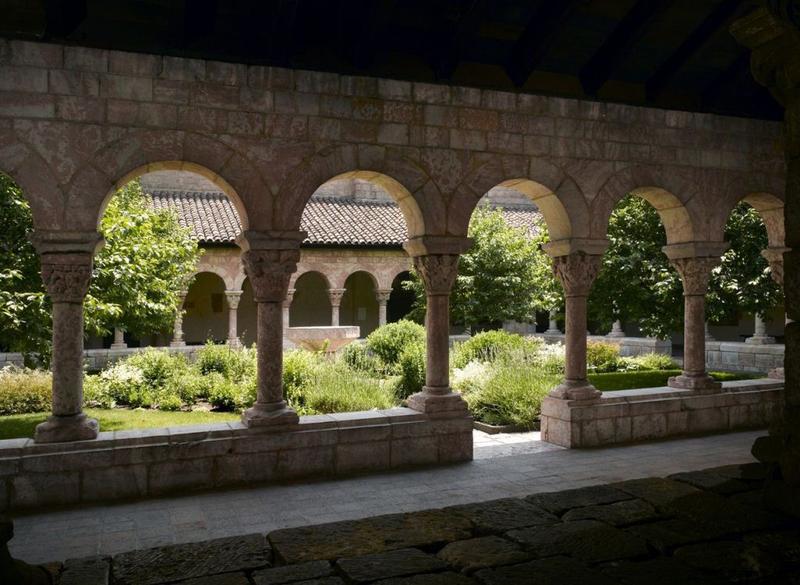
74	122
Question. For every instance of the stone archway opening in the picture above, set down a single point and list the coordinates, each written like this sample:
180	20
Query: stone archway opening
311	304
359	303
205	315
401	300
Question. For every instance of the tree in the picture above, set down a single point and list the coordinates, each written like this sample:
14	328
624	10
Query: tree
146	260
636	282
498	278
25	318
743	281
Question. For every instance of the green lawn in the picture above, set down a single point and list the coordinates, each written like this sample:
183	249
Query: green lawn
650	379
117	419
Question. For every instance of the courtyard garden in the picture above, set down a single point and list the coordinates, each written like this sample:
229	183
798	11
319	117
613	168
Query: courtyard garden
502	376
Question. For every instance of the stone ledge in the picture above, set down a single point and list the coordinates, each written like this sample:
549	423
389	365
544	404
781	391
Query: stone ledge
148	462
656	413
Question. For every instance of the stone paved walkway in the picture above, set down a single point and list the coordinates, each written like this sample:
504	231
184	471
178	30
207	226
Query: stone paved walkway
504	466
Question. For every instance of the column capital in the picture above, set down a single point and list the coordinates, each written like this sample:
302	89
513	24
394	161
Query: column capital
66	260
437	271
428	245
577	272
774	256
335	295
233	297
382	295
695	273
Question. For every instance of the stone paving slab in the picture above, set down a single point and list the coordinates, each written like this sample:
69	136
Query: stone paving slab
670	533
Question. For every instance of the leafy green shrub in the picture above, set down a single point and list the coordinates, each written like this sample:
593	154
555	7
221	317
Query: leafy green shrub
298	368
655	361
168	401
388	341
157	366
412	370
23	391
357	357
602	357
124	384
488	346
225	394
511	395
94	393
234	364
332	387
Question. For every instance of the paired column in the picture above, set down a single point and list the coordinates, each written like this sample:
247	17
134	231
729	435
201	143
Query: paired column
436	262
335	295
616	329
382	296
119	339
270	259
576	271
177	326
233	297
66	260
695	273
552	328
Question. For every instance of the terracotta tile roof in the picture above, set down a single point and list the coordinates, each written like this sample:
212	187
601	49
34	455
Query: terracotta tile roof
331	221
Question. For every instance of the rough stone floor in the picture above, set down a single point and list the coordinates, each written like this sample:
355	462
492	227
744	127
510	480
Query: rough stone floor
512	465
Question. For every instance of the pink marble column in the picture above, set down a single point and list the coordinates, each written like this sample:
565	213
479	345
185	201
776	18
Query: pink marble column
335	295
382	296
287	306
233	297
695	273
577	272
270	259
177	326
436	262
66	271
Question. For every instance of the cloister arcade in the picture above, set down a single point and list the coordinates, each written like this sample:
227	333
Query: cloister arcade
273	140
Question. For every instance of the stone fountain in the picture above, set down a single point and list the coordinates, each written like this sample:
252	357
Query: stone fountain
328	338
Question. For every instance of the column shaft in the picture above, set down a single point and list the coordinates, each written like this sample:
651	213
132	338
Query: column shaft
437	332
382	296
177	326
575	340
67	359
270	345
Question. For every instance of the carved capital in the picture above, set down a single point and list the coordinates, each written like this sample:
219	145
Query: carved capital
335	295
576	272
233	297
438	272
695	273
269	272
287	302
66	276
382	295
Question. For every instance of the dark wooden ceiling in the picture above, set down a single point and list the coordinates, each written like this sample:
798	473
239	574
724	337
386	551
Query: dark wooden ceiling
666	53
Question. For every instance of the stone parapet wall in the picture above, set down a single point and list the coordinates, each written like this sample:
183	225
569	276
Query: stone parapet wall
153	462
628	346
629	416
744	357
97	359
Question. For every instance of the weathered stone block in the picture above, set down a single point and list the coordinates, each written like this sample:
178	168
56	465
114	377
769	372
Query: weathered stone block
28	79
503	515
81	109
559	502
429	93
363	456
85	59
617	514
656	490
559	569
314	462
293	573
478	553
86	571
240	468
393	563
180	69
111	483
35	54
135	64
26	105
45	489
169	476
184	561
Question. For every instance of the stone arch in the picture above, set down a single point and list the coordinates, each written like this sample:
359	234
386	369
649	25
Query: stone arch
216	271
297	275
357	270
668	193
359	304
557	195
765	193
404	180
311	304
206	310
31	173
134	154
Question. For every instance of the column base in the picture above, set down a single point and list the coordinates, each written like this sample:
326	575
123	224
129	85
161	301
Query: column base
616	334
553	332
236	342
760	340
177	344
438	404
275	414
575	390
703	383
60	429
119	346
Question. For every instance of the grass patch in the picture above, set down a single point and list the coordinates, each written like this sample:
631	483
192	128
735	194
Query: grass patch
116	419
651	379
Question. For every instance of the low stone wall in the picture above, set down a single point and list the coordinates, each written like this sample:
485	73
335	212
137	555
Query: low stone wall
153	462
627	416
628	346
743	357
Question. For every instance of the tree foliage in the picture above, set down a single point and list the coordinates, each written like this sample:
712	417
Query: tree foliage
499	277
636	282
146	260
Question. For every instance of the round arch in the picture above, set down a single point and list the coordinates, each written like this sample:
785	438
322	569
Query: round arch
311	305
206	315
34	176
378	166
658	190
400	300
557	195
359	303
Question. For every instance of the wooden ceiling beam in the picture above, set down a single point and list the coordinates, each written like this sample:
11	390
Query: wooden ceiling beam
619	43
539	35
723	14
